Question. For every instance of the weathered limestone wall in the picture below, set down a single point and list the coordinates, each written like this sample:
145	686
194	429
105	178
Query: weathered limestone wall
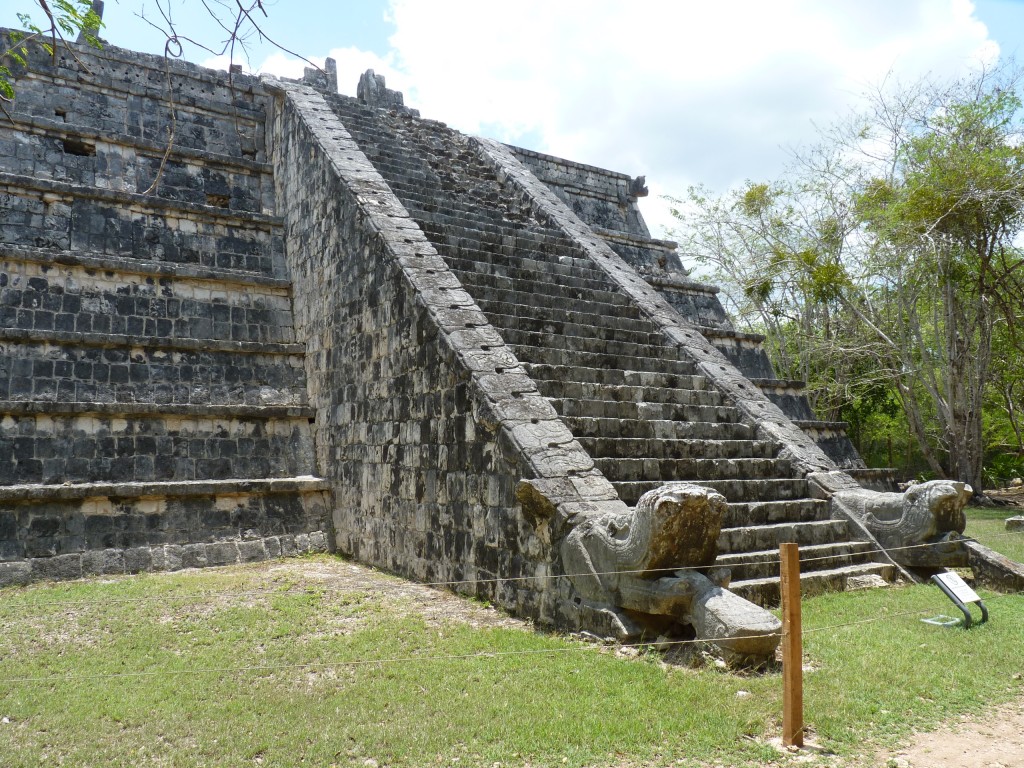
602	198
152	393
135	527
410	385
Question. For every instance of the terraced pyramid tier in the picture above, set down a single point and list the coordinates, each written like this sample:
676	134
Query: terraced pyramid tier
634	401
152	390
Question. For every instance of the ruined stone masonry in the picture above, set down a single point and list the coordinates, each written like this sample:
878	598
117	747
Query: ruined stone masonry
329	323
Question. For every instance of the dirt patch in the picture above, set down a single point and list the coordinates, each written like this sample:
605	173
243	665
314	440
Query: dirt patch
994	739
436	606
1012	497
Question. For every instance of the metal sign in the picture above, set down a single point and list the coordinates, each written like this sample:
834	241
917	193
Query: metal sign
961	594
957	586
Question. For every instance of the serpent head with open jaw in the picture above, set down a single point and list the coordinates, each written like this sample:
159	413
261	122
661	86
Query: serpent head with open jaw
927	513
643	561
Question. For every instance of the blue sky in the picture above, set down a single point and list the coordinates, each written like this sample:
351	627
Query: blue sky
680	91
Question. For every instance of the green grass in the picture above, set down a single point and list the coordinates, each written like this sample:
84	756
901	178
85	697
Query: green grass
205	679
988	525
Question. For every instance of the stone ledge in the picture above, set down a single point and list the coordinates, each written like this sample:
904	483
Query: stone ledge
570	163
164	557
233	487
199	104
814	425
783	384
133	266
46	187
44	127
728	333
122	340
29	407
643	242
250	83
681	284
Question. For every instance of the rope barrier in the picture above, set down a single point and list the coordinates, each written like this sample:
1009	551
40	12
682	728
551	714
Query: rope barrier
497	579
660	645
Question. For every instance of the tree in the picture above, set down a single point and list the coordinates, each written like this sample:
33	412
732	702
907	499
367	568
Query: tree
889	253
64	19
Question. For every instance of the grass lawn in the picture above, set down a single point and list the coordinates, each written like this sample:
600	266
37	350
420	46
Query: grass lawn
987	525
264	665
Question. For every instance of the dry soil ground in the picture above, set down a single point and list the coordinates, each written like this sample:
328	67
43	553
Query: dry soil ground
993	740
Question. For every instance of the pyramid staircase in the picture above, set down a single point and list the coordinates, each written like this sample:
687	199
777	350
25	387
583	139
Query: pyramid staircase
606	202
633	401
152	393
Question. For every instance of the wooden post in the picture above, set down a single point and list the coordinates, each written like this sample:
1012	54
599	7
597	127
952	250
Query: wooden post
792	648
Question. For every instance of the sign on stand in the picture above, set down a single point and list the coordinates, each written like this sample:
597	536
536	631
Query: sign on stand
960	592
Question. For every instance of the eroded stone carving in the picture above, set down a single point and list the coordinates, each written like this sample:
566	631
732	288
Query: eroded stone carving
371	90
927	513
622	563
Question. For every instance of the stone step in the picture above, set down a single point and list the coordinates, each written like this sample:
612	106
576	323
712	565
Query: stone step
765	591
603	338
752	538
614	376
48	214
78	299
580	324
770	512
764	564
669	470
533	249
656	429
621	393
574	358
59	446
525	257
477	226
621	388
491	288
456	215
523	263
593	344
577	312
461	244
116	370
779	489
661	448
523	278
609	409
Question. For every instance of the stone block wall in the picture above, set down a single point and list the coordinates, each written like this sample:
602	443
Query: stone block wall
602	198
152	391
423	476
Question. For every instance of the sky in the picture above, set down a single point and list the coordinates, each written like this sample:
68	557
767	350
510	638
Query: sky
680	91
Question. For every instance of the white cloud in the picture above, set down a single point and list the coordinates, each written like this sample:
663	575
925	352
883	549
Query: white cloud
682	92
679	91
